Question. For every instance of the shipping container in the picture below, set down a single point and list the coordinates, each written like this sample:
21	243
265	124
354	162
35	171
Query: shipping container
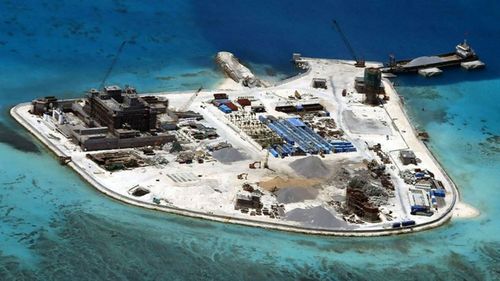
263	119
408	223
218	102
273	152
224	108
231	106
419	209
439	192
218	96
244	102
396	225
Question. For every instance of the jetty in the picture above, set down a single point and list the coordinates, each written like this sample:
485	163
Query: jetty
235	70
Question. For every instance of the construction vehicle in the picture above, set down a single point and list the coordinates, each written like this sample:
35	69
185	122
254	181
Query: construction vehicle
297	95
254	165
359	62
242	176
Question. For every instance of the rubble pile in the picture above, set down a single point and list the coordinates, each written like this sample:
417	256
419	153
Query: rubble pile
382	155
119	160
377	171
363	198
416	175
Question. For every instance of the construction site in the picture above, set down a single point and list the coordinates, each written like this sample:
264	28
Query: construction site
329	151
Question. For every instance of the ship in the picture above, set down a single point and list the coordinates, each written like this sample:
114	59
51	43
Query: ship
463	54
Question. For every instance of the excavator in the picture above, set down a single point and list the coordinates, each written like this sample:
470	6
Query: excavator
254	165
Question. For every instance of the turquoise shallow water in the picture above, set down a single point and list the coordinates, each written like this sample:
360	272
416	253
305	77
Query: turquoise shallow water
54	226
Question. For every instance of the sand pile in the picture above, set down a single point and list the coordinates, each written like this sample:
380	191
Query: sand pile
310	167
228	155
278	182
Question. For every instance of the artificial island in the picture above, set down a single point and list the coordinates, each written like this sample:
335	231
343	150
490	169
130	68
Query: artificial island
329	151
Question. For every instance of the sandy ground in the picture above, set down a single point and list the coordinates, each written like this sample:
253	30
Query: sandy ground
280	182
229	84
465	211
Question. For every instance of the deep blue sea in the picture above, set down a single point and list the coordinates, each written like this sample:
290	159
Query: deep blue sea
54	226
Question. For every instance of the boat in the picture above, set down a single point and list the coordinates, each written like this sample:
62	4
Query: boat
463	53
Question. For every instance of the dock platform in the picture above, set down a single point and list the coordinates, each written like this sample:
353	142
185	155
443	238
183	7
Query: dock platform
477	64
429	72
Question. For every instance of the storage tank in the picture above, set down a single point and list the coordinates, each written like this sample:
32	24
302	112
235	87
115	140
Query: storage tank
373	78
372	83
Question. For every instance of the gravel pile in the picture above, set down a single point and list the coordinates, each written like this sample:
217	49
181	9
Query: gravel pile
228	155
296	194
314	217
310	167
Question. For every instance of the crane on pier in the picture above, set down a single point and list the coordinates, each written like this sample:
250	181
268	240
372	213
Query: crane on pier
359	61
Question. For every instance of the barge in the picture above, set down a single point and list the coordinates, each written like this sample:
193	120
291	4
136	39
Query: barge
463	54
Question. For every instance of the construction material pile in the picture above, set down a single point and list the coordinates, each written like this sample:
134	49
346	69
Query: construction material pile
228	155
314	217
119	160
296	194
310	167
364	198
376	194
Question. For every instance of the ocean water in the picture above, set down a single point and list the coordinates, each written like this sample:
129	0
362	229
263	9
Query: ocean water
54	226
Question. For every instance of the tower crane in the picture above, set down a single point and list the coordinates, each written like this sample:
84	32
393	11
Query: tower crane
359	62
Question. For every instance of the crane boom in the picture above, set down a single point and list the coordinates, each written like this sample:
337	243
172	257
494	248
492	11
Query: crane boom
359	62
190	100
113	62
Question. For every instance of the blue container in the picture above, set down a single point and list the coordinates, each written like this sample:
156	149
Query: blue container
273	152
296	122
224	108
280	151
289	147
439	192
418	209
419	175
396	225
342	143
408	223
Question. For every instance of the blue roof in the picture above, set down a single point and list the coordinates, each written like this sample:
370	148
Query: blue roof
296	122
